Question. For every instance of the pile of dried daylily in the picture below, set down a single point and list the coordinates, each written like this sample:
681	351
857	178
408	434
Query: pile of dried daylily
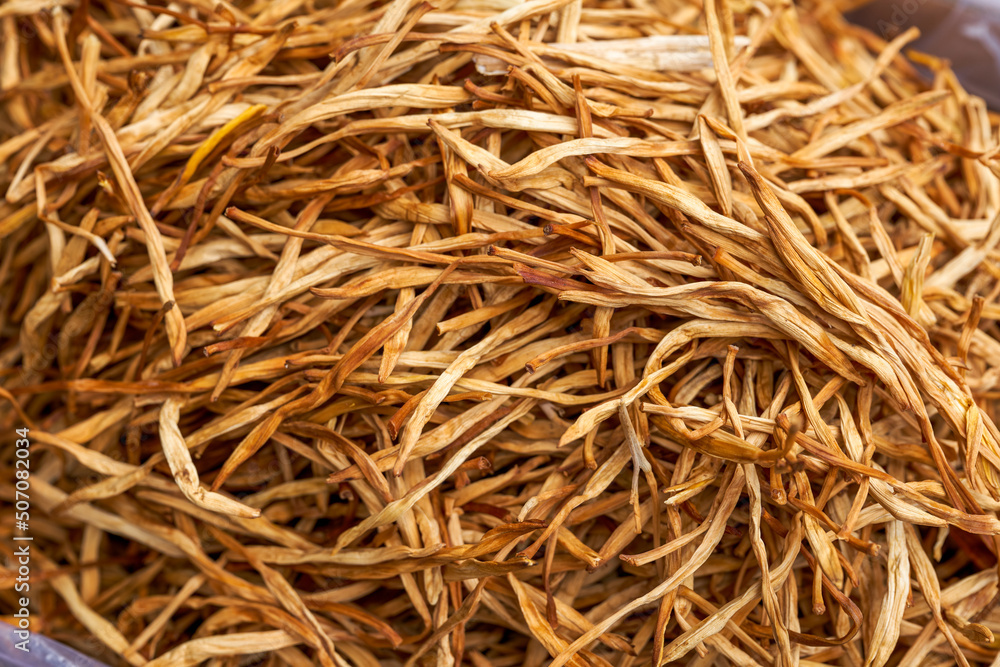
497	333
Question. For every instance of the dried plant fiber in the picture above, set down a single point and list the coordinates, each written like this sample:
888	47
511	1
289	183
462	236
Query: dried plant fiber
497	333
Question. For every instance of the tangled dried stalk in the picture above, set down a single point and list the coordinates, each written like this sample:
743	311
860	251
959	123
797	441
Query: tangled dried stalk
498	333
